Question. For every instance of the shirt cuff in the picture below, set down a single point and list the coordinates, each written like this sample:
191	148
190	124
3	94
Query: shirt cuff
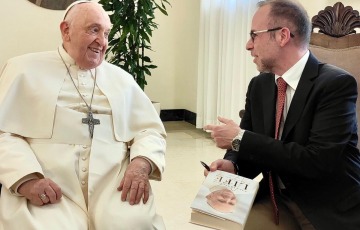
241	134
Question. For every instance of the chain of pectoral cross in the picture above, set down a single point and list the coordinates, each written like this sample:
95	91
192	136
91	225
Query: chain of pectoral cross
89	120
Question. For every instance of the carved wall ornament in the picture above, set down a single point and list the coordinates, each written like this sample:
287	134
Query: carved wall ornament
336	21
53	4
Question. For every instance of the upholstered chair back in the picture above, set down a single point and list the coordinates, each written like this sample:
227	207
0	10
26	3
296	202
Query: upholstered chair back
337	43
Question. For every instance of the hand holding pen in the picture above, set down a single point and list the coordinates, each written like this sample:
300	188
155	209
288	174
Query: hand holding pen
205	165
221	164
206	172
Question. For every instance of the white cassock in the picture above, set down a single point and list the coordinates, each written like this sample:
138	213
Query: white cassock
42	132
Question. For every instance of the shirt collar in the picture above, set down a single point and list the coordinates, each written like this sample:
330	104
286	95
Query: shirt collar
292	75
66	57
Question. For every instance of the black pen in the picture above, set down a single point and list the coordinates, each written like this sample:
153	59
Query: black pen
205	165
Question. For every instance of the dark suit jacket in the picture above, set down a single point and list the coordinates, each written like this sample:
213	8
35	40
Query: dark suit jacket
316	158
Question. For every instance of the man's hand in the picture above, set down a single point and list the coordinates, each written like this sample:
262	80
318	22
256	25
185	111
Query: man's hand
221	164
135	183
41	191
223	134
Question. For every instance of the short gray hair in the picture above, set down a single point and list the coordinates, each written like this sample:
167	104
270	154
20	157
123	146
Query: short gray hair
292	15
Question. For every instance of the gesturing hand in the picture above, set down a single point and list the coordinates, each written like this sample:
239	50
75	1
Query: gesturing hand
223	134
135	183
41	191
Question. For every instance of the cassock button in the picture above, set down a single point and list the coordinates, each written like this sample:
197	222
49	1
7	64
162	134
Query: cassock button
84	169
83	182
83	158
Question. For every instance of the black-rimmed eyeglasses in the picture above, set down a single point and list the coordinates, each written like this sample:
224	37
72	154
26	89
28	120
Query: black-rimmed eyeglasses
253	34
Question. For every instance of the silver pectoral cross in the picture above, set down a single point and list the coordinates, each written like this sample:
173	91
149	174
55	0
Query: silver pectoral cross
91	122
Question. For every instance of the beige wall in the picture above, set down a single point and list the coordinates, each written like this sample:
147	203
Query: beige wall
175	43
28	28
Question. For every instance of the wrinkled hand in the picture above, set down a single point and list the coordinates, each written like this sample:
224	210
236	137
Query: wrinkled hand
135	183
221	164
223	134
32	190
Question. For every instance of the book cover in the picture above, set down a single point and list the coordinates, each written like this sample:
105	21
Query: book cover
224	200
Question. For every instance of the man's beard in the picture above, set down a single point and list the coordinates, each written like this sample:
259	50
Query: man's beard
266	65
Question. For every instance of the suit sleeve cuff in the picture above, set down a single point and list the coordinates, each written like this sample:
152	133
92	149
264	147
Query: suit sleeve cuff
14	188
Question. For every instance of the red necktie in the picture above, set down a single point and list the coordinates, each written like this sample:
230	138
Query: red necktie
281	85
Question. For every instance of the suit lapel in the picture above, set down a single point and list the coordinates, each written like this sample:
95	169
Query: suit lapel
269	102
300	97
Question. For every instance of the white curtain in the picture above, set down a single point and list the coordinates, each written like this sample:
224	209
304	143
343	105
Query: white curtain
225	66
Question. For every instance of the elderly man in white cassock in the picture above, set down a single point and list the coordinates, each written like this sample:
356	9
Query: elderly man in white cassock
79	140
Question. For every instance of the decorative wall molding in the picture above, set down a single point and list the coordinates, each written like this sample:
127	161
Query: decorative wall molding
53	4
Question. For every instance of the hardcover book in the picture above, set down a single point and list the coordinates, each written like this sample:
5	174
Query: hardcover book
224	200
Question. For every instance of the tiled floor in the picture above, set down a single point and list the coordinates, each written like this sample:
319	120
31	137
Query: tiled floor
186	146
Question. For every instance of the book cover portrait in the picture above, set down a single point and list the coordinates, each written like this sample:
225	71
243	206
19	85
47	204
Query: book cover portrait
225	196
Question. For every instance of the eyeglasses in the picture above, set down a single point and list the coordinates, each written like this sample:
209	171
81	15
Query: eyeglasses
253	34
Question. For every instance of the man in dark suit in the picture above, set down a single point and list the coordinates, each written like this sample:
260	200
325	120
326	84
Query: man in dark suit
314	163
